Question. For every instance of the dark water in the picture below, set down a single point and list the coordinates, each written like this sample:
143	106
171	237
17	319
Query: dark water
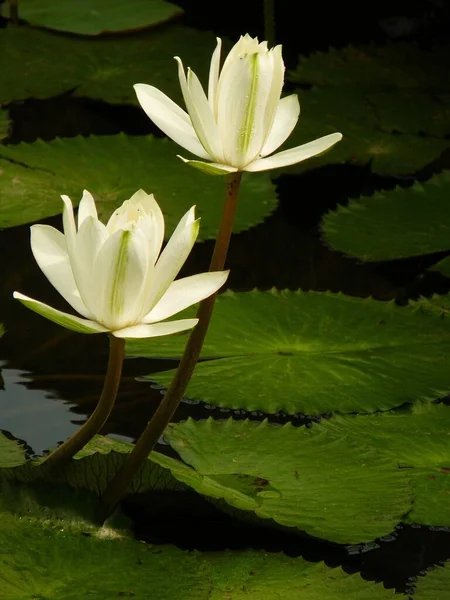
52	377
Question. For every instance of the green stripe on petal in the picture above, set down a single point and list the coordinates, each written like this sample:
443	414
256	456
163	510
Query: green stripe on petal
246	131
61	318
116	298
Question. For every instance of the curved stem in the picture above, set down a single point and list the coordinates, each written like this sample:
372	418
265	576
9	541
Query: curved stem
172	398
82	436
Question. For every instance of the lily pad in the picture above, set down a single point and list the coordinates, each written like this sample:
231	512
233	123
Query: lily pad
394	224
12	453
104	68
434	585
312	352
112	168
314	483
383	99
443	267
91	17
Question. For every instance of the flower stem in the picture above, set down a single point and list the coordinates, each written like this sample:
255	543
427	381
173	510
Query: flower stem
14	11
172	398
82	436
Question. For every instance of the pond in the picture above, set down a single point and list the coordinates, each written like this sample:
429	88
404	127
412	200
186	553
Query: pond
310	456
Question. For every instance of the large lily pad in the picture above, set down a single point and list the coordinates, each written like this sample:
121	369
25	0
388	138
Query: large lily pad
383	99
314	483
45	556
90	17
105	69
434	585
112	168
12	454
394	224
313	353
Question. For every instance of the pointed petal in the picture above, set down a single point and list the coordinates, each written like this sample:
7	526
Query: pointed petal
86	208
214	69
49	249
185	292
61	318
68	223
120	272
286	118
150	205
275	88
156	329
170	118
173	257
209	168
294	155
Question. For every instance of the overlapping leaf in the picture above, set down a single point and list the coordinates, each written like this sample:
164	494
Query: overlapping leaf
105	69
313	353
382	99
112	168
435	585
394	224
91	17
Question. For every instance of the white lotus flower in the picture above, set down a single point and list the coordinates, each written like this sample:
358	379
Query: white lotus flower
114	275
242	120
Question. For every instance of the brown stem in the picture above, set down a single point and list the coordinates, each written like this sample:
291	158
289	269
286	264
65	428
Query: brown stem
172	398
82	436
14	11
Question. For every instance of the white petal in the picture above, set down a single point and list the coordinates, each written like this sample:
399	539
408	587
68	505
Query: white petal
120	272
243	95
201	115
170	118
50	251
286	118
68	223
86	208
156	329
150	205
204	115
185	292
294	155
214	69
209	168
88	241
173	257
61	318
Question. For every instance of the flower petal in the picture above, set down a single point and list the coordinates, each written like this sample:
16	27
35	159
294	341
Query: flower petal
210	168
150	205
275	88
185	292
286	118
86	208
61	318
213	81
120	272
69	227
155	329
173	257
50	251
294	155
170	118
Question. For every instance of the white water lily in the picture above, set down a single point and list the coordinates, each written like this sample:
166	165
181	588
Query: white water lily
242	120
114	275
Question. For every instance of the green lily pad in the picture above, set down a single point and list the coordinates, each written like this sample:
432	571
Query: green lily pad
443	267
417	440
5	123
105	68
434	585
312	353
88	17
112	168
394	224
12	453
438	303
46	556
383	99
314	483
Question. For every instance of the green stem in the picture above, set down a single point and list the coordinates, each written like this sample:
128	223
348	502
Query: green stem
269	22
14	11
82	436
172	398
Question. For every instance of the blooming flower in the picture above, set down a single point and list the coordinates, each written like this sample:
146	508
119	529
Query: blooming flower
114	275
242	120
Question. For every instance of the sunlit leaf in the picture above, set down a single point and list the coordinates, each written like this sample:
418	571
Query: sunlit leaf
91	17
434	585
312	353
112	168
314	483
394	224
